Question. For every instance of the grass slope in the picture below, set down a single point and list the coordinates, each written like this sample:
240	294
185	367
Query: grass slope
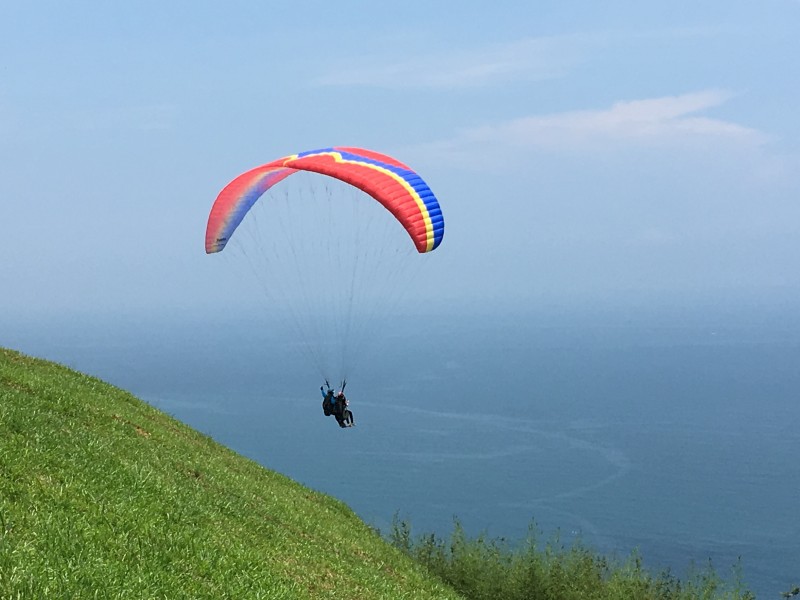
101	495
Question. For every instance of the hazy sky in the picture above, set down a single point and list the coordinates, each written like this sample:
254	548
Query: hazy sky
583	152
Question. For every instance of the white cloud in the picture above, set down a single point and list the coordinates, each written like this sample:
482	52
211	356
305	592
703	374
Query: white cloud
531	59
671	120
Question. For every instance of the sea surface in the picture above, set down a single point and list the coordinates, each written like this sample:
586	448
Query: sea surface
677	435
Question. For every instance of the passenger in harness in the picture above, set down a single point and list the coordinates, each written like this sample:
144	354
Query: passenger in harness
327	400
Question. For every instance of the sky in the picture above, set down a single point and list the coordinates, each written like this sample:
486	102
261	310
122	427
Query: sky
619	154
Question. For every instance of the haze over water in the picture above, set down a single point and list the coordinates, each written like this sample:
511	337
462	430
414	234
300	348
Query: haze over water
675	435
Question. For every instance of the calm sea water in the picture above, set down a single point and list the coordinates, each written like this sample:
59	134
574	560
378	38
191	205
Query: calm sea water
677	436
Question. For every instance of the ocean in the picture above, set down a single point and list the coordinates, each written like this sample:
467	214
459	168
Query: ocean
675	436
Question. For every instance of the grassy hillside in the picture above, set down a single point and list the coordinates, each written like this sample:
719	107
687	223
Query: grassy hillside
103	496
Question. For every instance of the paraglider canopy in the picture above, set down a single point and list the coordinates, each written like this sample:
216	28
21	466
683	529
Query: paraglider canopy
386	179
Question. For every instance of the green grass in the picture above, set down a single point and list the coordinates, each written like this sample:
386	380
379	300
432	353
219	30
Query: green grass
103	496
486	569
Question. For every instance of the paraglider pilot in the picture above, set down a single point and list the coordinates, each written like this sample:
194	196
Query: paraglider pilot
344	416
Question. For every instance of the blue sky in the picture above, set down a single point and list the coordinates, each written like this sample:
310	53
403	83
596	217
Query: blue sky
584	153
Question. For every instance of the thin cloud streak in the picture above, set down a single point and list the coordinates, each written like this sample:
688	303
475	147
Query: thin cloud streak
144	117
531	59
